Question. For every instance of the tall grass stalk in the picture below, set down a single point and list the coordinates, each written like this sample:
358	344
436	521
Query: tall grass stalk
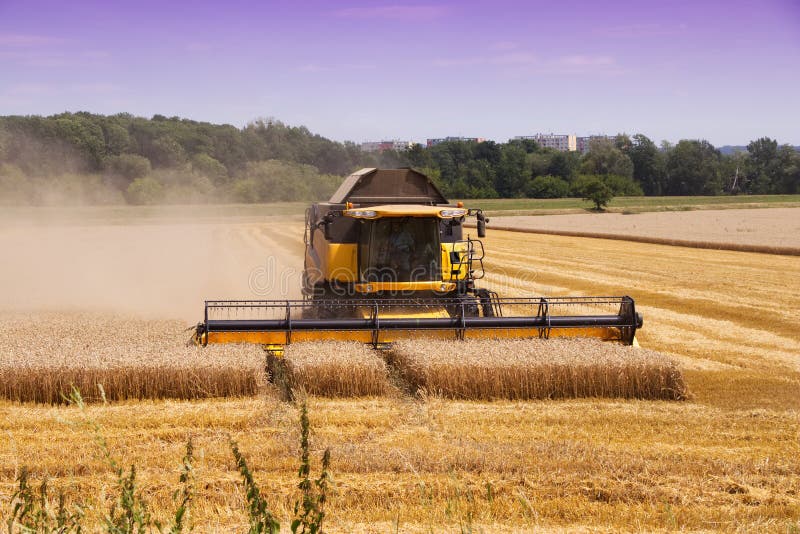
36	512
261	519
309	512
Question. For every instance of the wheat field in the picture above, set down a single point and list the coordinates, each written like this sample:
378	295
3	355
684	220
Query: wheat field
724	460
336	369
45	355
537	369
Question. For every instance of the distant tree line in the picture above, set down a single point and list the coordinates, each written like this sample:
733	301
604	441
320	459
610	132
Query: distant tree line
90	158
626	165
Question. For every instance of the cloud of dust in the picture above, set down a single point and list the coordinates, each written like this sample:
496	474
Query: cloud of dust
153	268
47	172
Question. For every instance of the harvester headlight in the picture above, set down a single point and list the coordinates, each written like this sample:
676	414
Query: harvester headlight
443	287
368	288
452	213
361	214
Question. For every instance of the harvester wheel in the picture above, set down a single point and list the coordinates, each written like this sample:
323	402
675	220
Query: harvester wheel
486	302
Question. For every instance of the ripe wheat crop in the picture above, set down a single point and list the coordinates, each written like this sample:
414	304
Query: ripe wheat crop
537	369
42	356
336	369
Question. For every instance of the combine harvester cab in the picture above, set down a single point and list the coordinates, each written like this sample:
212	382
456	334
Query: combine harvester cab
386	259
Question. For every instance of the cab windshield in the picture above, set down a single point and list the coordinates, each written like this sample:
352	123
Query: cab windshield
400	250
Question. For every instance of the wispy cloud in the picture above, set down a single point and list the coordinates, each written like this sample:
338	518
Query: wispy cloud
27	40
526	63
585	61
396	12
635	31
95	88
312	67
458	61
53	58
316	67
512	58
47	89
96	54
515	58
29	89
197	47
360	66
503	46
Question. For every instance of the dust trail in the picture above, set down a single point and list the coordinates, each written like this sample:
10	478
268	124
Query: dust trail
160	270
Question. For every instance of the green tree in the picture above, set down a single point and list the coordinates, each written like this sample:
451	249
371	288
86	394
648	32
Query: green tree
80	131
733	170
769	167
648	165
165	151
276	181
622	186
116	137
488	151
145	190
479	177
512	172
605	158
547	187
246	191
594	189
623	143
128	167
788	180
539	162
693	168
205	165
418	157
564	165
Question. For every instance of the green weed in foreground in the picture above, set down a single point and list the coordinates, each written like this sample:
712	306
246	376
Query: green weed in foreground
34	511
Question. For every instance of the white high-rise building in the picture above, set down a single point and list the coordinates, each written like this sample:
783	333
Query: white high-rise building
564	143
380	146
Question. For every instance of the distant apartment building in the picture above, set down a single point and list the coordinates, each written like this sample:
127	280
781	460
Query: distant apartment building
434	142
583	142
382	146
564	143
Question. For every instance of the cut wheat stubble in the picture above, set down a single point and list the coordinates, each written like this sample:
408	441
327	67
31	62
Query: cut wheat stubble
537	369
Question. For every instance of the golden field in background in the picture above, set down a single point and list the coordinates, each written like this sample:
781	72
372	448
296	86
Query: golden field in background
726	459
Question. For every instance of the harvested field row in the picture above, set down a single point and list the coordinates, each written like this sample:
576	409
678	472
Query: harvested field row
772	231
738	247
44	355
336	369
537	369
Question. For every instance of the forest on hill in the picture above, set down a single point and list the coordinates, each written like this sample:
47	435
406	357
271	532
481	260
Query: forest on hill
85	158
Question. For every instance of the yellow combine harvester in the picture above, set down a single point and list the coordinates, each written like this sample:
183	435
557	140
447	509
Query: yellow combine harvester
386	259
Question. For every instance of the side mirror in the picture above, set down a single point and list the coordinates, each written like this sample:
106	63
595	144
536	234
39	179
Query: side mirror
325	224
482	220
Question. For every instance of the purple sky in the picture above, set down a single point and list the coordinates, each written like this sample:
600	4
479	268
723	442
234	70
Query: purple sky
727	71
